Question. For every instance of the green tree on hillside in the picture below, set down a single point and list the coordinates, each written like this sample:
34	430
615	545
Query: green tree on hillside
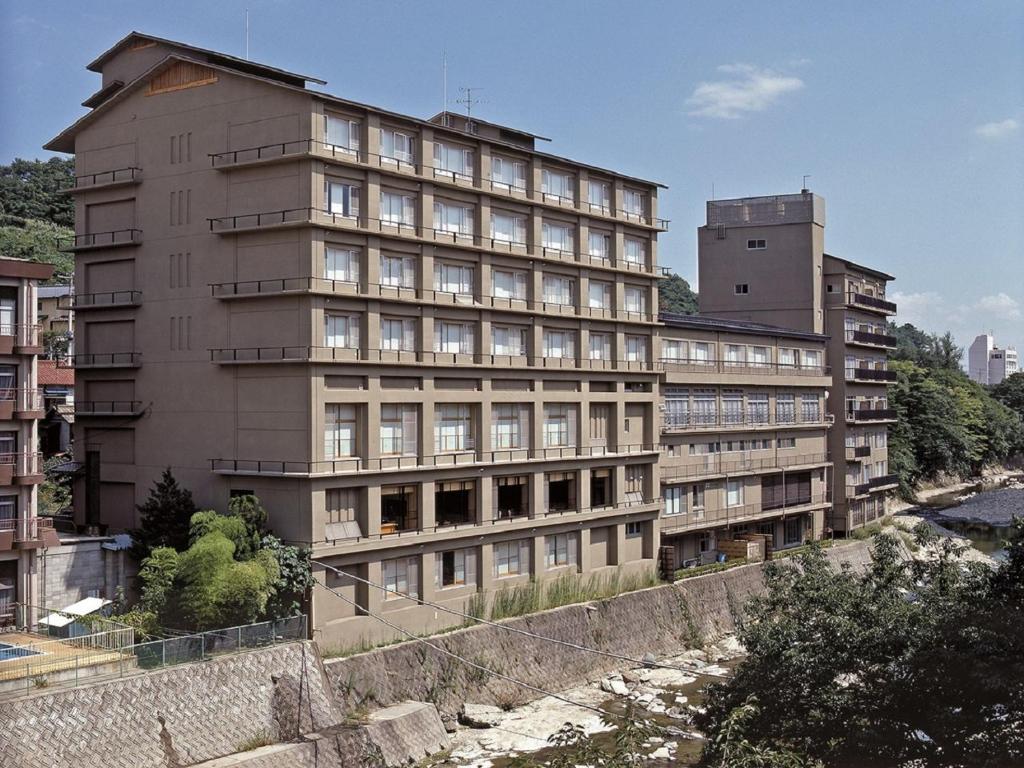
38	241
166	517
675	295
1010	392
31	189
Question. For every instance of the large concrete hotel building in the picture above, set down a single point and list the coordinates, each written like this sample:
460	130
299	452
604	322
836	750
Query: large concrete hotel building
432	349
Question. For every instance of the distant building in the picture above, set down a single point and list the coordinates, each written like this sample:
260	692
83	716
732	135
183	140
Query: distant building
989	364
56	318
57	383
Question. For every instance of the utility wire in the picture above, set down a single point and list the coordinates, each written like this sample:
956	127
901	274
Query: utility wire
518	631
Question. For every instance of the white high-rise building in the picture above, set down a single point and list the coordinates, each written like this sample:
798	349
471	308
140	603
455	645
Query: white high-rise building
989	364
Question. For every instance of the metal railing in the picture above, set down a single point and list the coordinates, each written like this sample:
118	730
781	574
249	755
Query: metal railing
355	464
691	365
108	407
871	414
106	359
22	463
102	178
27	529
857	451
690	520
862	299
22	399
25	334
103	299
349	155
715	465
870	337
101	239
319	217
691	422
313	354
870	374
874	483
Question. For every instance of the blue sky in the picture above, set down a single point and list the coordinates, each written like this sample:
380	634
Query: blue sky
908	116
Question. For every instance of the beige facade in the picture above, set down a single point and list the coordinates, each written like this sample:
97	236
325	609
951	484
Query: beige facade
744	433
424	344
22	532
763	259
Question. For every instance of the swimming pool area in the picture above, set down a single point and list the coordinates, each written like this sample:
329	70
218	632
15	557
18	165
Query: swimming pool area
8	651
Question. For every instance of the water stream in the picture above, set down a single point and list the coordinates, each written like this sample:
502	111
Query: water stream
982	513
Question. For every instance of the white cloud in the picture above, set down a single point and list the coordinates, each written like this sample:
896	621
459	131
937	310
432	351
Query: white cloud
752	89
999	129
1000	305
919	309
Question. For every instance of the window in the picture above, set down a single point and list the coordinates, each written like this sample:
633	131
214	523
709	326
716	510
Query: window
397	208
397	145
453	278
633	202
760	357
599	194
560	550
557	184
741	289
785	408
756	245
341	264
507	172
509	284
509	340
401	577
455	502
512	558
398	508
599	244
453	338
398	271
398	334
560	344
453	428
677	407
557	236
508	227
732	407
636	349
455	568
700	352
788	358
512	499
673	349
757	408
509	426
634	251
810	408
812	358
455	160
735	354
635	299
734	493
600	346
793	532
559	290
341	133
339	431
601	488
559	426
600	294
399	430
341	331
705	407
675	500
452	217
634	530
342	199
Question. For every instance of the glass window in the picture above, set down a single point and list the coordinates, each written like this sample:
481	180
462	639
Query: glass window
600	346
397	145
599	244
760	357
512	558
339	431
560	549
341	133
785	408
560	344
634	251
507	172
399	430
451	217
559	290
675	500
509	340
635	299
453	278
757	407
398	271
633	201
559	425
599	194
508	227
636	349
341	264
509	426
397	208
812	358
732	407
342	199
401	577
557	236
456	160
673	349
341	331
734	493
705	410
558	184
509	284
700	352
810	408
677	407
788	358
453	428
453	338
398	334
600	294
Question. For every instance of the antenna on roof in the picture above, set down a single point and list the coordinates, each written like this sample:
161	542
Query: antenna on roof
246	34
468	100
444	87
803	187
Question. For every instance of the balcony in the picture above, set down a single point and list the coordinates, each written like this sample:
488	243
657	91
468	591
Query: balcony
21	403
691	365
862	300
20	339
855	453
694	423
871	375
96	240
106	360
716	465
716	518
871	339
302	217
103	300
30	533
356	464
880	483
869	415
105	179
21	468
126	408
290	150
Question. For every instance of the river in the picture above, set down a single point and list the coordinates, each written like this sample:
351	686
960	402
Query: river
982	513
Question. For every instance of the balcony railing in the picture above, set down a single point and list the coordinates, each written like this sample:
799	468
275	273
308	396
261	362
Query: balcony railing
108	407
690	365
863	300
857	452
317	217
101	300
310	354
873	484
351	156
112	239
355	464
20	400
870	374
322	285
26	529
106	178
871	338
15	336
871	414
716	465
106	360
693	422
19	464
713	518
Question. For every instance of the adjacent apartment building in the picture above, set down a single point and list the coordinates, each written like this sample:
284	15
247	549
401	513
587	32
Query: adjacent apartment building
22	532
763	259
426	345
989	364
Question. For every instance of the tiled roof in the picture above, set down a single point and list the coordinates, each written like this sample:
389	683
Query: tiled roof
50	375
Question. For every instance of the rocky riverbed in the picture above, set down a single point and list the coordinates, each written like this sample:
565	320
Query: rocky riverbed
489	737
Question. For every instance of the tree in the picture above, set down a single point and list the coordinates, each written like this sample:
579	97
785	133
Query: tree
1010	392
31	189
675	295
157	574
166	517
295	577
37	241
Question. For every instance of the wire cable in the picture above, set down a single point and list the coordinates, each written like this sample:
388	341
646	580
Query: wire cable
525	633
